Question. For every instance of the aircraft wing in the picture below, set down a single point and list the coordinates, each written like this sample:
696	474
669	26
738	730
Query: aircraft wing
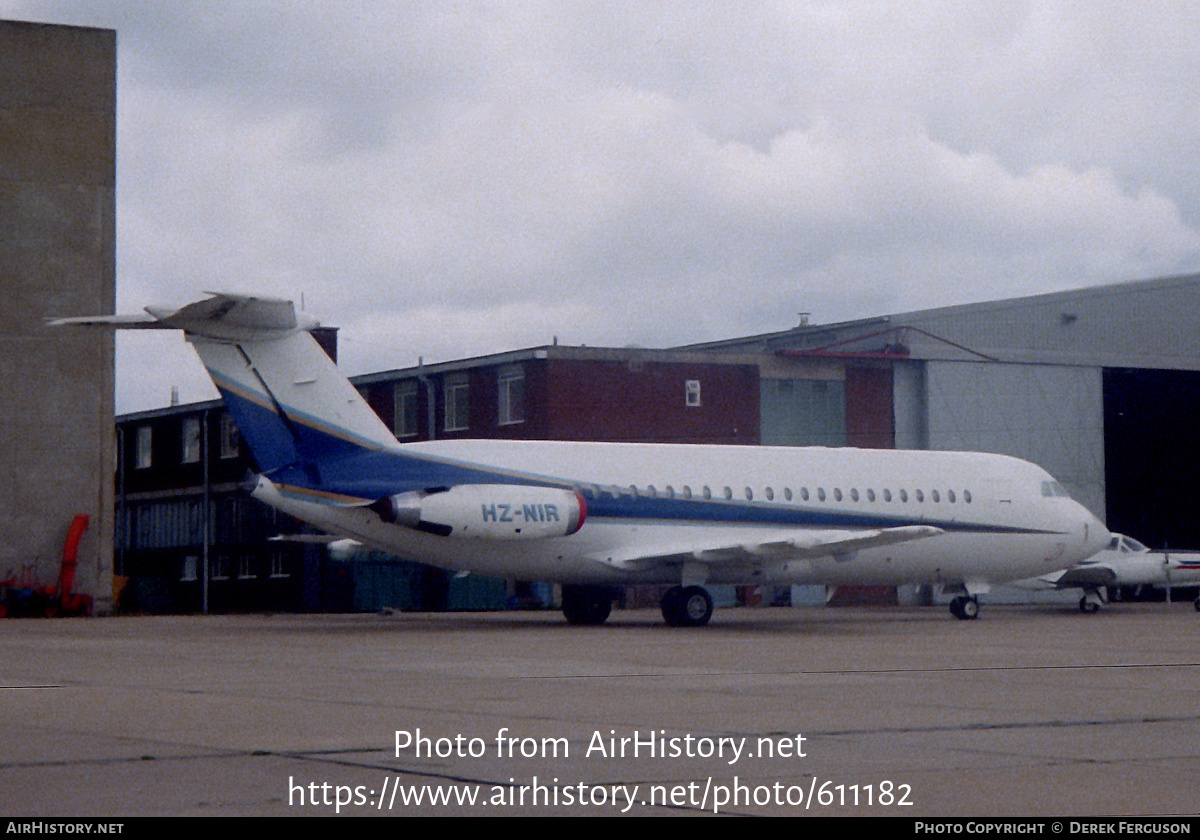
1087	576
793	544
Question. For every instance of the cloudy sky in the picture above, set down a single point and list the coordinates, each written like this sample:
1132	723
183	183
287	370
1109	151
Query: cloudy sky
451	179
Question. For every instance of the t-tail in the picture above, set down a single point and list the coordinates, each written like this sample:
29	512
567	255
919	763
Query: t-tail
310	431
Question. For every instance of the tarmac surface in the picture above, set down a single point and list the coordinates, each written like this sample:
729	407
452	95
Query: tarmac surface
858	711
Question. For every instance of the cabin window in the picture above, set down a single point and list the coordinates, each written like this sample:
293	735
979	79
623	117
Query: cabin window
935	496
837	494
870	495
787	493
669	492
853	494
951	497
804	494
919	495
820	494
707	492
749	494
728	493
887	495
770	495
967	496
904	495
511	383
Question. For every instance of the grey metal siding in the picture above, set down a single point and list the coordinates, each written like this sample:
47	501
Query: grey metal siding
1049	414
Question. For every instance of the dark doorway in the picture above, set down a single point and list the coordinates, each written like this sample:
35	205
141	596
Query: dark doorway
1152	455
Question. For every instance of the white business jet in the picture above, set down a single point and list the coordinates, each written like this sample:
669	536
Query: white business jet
597	516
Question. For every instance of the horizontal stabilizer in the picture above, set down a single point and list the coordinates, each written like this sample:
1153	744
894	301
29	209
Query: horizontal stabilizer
120	322
222	316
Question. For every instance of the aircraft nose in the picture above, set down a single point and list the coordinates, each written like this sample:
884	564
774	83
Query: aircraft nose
1096	535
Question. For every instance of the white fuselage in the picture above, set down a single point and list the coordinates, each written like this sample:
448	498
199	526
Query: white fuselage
999	523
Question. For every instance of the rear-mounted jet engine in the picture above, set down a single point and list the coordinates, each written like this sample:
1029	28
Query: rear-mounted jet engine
487	511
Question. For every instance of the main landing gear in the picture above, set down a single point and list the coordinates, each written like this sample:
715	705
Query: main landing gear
587	605
687	606
682	606
965	607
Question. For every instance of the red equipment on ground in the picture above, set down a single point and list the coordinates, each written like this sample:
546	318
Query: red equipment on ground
22	598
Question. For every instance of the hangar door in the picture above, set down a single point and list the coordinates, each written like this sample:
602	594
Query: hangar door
1152	455
1048	414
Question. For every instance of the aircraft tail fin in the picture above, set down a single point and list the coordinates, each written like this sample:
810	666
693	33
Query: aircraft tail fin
295	409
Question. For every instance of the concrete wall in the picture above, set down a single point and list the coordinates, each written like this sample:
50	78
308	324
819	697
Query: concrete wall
57	257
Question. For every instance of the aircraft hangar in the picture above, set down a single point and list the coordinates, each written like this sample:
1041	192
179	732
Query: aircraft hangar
1098	385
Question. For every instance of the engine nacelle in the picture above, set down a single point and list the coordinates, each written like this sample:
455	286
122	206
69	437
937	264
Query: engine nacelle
488	511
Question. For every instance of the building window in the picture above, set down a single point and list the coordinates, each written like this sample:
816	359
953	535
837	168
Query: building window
141	458
246	566
218	568
458	403
406	409
692	393
191	565
229	437
191	440
278	569
511	395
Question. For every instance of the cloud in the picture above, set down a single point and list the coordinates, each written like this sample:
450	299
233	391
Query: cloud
468	178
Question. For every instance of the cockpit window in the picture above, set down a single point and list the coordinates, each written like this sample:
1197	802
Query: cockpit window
1053	488
1133	545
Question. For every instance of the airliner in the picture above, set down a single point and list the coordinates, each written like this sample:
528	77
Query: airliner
598	516
1123	562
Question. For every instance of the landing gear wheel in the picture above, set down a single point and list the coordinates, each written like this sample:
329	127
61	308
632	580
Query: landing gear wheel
1088	607
687	606
965	608
586	605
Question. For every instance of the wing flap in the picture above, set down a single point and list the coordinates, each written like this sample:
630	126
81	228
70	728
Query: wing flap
800	544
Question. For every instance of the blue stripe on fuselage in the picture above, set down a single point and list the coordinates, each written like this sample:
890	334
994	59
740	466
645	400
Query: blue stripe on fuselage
304	459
